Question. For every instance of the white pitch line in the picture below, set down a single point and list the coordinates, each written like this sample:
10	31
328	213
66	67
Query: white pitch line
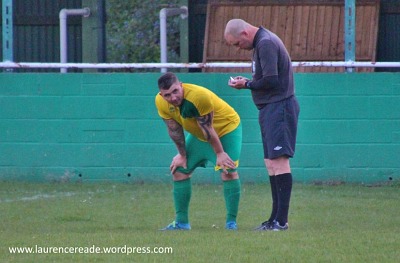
37	197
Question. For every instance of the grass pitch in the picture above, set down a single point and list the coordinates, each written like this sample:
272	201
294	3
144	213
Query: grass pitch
342	223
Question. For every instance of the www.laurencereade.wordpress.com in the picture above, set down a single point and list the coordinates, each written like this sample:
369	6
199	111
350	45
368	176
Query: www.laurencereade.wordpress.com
90	250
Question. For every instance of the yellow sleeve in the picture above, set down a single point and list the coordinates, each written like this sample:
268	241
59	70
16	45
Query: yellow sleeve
162	107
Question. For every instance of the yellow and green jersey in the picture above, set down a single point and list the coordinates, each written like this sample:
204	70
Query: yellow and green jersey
199	101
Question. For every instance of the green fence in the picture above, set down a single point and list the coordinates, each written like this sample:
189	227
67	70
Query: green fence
72	127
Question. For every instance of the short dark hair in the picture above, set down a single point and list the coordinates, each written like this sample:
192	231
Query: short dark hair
167	80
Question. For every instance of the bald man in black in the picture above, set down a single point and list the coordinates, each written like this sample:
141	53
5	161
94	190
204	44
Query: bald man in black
273	93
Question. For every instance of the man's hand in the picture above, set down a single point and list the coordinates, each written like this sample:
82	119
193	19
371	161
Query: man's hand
225	162
238	82
178	161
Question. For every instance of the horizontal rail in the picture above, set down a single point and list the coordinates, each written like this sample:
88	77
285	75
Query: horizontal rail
349	64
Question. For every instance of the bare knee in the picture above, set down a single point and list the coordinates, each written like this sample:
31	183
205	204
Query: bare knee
280	165
178	176
269	167
229	176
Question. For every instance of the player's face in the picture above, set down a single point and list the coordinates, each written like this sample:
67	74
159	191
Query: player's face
173	95
241	42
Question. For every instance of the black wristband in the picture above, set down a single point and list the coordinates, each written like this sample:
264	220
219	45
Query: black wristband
247	84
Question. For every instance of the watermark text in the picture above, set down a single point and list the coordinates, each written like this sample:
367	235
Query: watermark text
127	250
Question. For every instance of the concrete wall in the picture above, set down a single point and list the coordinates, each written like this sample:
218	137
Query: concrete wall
105	127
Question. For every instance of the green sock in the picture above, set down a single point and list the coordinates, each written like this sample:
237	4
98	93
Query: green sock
232	197
182	193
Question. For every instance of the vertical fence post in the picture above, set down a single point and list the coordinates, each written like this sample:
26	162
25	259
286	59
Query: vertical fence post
8	54
184	37
350	32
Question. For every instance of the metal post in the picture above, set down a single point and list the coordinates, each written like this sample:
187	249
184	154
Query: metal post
350	32
184	38
164	13
8	54
64	13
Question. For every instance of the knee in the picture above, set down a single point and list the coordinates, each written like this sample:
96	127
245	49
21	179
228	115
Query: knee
278	166
269	167
229	176
178	176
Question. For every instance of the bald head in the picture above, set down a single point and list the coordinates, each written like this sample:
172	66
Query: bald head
235	26
240	34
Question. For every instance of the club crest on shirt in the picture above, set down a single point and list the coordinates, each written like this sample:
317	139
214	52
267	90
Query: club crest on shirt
171	109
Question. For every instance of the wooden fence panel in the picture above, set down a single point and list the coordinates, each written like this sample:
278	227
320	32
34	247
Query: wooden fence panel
312	30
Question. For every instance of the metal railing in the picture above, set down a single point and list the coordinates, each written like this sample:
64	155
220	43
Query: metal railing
348	64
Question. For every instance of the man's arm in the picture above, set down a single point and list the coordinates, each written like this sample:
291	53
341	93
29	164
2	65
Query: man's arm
175	131
267	82
206	125
268	56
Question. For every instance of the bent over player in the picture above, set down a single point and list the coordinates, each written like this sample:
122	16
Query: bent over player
214	134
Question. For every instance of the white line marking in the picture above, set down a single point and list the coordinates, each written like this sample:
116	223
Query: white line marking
37	197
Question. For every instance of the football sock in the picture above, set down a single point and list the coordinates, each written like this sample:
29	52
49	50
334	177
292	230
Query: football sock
284	184
182	193
274	193
232	197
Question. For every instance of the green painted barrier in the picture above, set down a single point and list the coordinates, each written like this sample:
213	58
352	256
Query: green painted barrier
89	127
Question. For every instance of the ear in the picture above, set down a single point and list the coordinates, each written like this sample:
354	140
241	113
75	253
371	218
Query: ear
244	33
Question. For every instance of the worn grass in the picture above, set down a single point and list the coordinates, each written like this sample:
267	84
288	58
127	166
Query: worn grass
340	223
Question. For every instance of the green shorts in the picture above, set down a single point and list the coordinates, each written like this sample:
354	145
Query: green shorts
200	152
